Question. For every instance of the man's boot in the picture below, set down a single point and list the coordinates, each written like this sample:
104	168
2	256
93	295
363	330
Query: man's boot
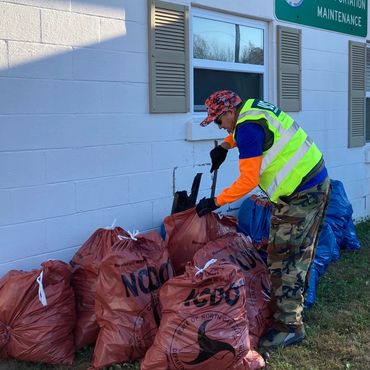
275	338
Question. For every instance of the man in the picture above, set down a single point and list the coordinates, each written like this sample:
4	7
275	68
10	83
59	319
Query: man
278	156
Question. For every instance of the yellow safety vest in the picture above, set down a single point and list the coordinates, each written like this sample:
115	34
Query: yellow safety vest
292	155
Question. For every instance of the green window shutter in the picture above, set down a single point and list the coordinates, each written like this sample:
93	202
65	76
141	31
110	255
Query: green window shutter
356	92
289	48
168	57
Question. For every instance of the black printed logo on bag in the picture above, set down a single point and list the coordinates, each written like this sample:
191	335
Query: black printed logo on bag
214	297
146	280
205	342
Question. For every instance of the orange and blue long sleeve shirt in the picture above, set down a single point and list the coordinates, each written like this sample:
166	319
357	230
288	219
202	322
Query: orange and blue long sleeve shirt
249	139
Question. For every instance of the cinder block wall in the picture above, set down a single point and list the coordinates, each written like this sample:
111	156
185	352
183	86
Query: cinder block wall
325	112
78	148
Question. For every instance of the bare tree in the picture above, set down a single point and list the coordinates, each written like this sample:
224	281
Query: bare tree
252	55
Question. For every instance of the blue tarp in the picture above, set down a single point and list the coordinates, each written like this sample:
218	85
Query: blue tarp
337	231
339	213
327	250
254	218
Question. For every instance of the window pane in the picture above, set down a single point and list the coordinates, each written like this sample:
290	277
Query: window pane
227	42
213	40
251	45
206	81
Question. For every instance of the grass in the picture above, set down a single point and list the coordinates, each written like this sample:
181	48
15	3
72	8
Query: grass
337	326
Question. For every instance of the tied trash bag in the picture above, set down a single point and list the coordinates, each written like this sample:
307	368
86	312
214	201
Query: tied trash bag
254	220
86	264
37	314
127	298
204	324
238	249
186	233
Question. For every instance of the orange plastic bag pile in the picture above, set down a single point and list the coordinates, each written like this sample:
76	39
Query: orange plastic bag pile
127	298
204	324
37	314
186	233
86	264
239	250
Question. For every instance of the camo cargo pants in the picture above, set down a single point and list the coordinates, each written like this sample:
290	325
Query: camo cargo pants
295	224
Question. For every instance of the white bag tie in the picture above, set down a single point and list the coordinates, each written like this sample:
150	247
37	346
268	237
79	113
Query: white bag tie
132	234
42	296
111	227
209	263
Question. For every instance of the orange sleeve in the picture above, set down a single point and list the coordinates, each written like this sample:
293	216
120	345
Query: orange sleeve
230	140
248	179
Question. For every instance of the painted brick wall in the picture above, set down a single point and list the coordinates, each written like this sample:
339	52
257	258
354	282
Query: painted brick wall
78	148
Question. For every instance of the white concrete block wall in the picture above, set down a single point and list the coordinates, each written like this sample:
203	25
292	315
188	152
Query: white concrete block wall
325	111
78	148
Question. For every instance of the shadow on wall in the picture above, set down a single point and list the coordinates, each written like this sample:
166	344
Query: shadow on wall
73	65
64	71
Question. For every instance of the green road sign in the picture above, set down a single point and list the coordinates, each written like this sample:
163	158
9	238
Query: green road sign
346	16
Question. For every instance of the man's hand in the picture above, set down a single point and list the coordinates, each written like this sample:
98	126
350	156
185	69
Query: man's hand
206	205
218	155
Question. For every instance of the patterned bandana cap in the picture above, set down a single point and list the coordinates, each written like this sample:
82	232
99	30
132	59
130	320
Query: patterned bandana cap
218	103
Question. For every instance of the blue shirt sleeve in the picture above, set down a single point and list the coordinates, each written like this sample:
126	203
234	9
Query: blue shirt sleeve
249	140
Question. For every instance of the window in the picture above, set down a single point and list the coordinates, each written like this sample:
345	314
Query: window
228	53
368	93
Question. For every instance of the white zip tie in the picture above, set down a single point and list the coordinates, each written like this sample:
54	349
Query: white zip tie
209	263
132	235
42	296
111	227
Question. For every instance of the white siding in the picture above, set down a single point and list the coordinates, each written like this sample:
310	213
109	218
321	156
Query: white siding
78	147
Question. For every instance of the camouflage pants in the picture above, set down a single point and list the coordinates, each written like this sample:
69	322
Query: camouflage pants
295	224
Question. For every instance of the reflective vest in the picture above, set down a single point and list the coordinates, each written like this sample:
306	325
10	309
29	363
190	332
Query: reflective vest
292	155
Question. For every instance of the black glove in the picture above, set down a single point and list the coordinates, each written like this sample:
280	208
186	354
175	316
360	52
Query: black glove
206	205
218	155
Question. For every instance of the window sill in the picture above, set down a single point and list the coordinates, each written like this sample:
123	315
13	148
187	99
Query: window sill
195	132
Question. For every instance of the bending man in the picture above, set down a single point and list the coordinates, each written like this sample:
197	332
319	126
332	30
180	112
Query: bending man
278	156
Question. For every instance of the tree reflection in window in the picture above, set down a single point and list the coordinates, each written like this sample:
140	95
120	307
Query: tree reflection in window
227	42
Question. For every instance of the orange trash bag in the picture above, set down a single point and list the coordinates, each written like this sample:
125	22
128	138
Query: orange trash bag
204	324
37	314
86	264
186	233
239	250
127	298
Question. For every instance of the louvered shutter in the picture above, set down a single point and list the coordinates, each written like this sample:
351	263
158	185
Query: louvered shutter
289	68
356	91
367	119
368	91
168	57
368	68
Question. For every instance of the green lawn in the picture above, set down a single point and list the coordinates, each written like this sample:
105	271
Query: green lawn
337	326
